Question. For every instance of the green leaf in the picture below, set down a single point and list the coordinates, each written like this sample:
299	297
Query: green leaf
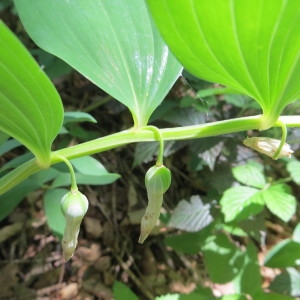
55	218
3	137
222	258
236	45
185	116
240	202
272	296
30	108
64	179
169	297
199	294
113	43
221	178
44	176
191	216
287	283
188	242
17	161
89	171
248	280
122	292
8	145
255	227
89	166
237	100
53	66
78	116
284	254
250	174
11	199
294	168
234	297
279	201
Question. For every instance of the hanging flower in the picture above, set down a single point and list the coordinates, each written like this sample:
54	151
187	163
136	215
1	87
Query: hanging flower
74	206
268	146
157	181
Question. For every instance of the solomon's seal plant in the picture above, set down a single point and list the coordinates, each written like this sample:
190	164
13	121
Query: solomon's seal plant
135	53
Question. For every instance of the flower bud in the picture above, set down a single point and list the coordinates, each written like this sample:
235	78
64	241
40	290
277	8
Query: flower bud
268	146
74	206
157	181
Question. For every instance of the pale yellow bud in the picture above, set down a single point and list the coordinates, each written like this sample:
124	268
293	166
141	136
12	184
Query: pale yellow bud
268	146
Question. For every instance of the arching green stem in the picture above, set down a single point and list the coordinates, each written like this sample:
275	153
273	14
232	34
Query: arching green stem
74	187
122	138
160	139
283	139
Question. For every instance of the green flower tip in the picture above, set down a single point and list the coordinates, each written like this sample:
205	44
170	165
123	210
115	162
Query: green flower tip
158	179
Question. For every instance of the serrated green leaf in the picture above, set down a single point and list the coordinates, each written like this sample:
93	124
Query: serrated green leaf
294	168
279	201
272	296
208	149
248	280
221	178
240	202
55	218
296	234
222	258
122	292
284	254
287	283
188	242
30	108
113	43
210	156
169	297
191	216
250	174
199	294
234	297
237	45
255	227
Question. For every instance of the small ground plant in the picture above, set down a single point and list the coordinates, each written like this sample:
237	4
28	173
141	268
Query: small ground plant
135	51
